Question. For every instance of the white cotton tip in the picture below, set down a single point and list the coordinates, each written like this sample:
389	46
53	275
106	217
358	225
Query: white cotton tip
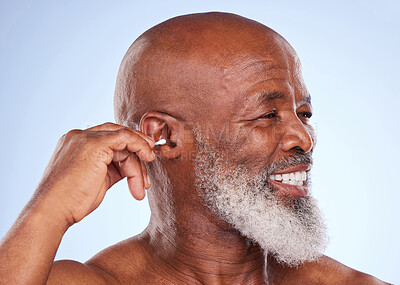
161	142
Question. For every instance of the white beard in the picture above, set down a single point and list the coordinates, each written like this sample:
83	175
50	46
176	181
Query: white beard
292	232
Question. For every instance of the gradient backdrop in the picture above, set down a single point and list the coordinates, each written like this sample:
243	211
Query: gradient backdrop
59	62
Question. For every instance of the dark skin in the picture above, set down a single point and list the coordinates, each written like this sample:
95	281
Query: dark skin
239	81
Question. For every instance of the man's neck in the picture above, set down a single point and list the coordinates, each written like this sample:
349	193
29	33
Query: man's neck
201	248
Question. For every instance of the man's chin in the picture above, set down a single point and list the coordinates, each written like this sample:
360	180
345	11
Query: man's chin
292	233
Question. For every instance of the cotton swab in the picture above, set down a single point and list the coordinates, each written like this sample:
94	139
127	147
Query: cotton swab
161	142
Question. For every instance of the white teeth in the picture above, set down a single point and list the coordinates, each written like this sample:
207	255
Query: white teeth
294	178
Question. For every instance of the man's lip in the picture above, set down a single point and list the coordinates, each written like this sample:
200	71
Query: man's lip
299	167
290	190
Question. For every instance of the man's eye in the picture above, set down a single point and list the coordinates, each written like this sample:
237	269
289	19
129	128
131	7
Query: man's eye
269	115
305	114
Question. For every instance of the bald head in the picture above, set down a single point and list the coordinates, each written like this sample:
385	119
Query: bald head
185	66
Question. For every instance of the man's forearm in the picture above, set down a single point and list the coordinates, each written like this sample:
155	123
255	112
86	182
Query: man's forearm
28	250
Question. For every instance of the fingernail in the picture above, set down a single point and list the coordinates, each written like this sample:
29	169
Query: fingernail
148	181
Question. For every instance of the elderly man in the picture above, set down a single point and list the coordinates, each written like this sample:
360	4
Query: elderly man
229	192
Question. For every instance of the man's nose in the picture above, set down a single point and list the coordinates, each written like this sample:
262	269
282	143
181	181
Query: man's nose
297	136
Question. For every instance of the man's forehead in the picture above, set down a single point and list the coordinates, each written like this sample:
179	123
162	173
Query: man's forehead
272	59
276	73
251	82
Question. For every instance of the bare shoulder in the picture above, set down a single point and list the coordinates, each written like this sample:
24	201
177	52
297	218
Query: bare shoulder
73	272
332	271
125	262
121	263
323	271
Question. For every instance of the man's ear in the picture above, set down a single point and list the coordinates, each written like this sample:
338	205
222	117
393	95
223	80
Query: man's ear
163	126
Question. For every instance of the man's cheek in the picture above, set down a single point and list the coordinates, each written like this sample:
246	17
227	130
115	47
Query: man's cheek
256	148
277	134
265	138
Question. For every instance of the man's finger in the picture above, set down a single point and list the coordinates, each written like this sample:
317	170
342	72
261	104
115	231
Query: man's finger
132	169
113	127
120	155
121	140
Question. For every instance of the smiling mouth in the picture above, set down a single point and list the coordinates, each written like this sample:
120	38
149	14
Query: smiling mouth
292	181
293	178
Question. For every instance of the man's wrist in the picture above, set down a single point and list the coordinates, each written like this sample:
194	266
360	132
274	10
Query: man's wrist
48	213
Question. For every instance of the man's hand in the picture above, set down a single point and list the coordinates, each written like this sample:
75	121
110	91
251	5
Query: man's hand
85	164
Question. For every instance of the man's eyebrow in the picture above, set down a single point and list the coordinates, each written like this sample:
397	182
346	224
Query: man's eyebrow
305	100
266	97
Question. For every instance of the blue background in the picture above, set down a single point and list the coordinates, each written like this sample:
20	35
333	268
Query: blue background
58	65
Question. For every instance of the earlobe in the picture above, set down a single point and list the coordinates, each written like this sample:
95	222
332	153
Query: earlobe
163	126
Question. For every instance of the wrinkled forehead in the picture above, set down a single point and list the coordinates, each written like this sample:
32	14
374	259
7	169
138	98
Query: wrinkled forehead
271	59
271	66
